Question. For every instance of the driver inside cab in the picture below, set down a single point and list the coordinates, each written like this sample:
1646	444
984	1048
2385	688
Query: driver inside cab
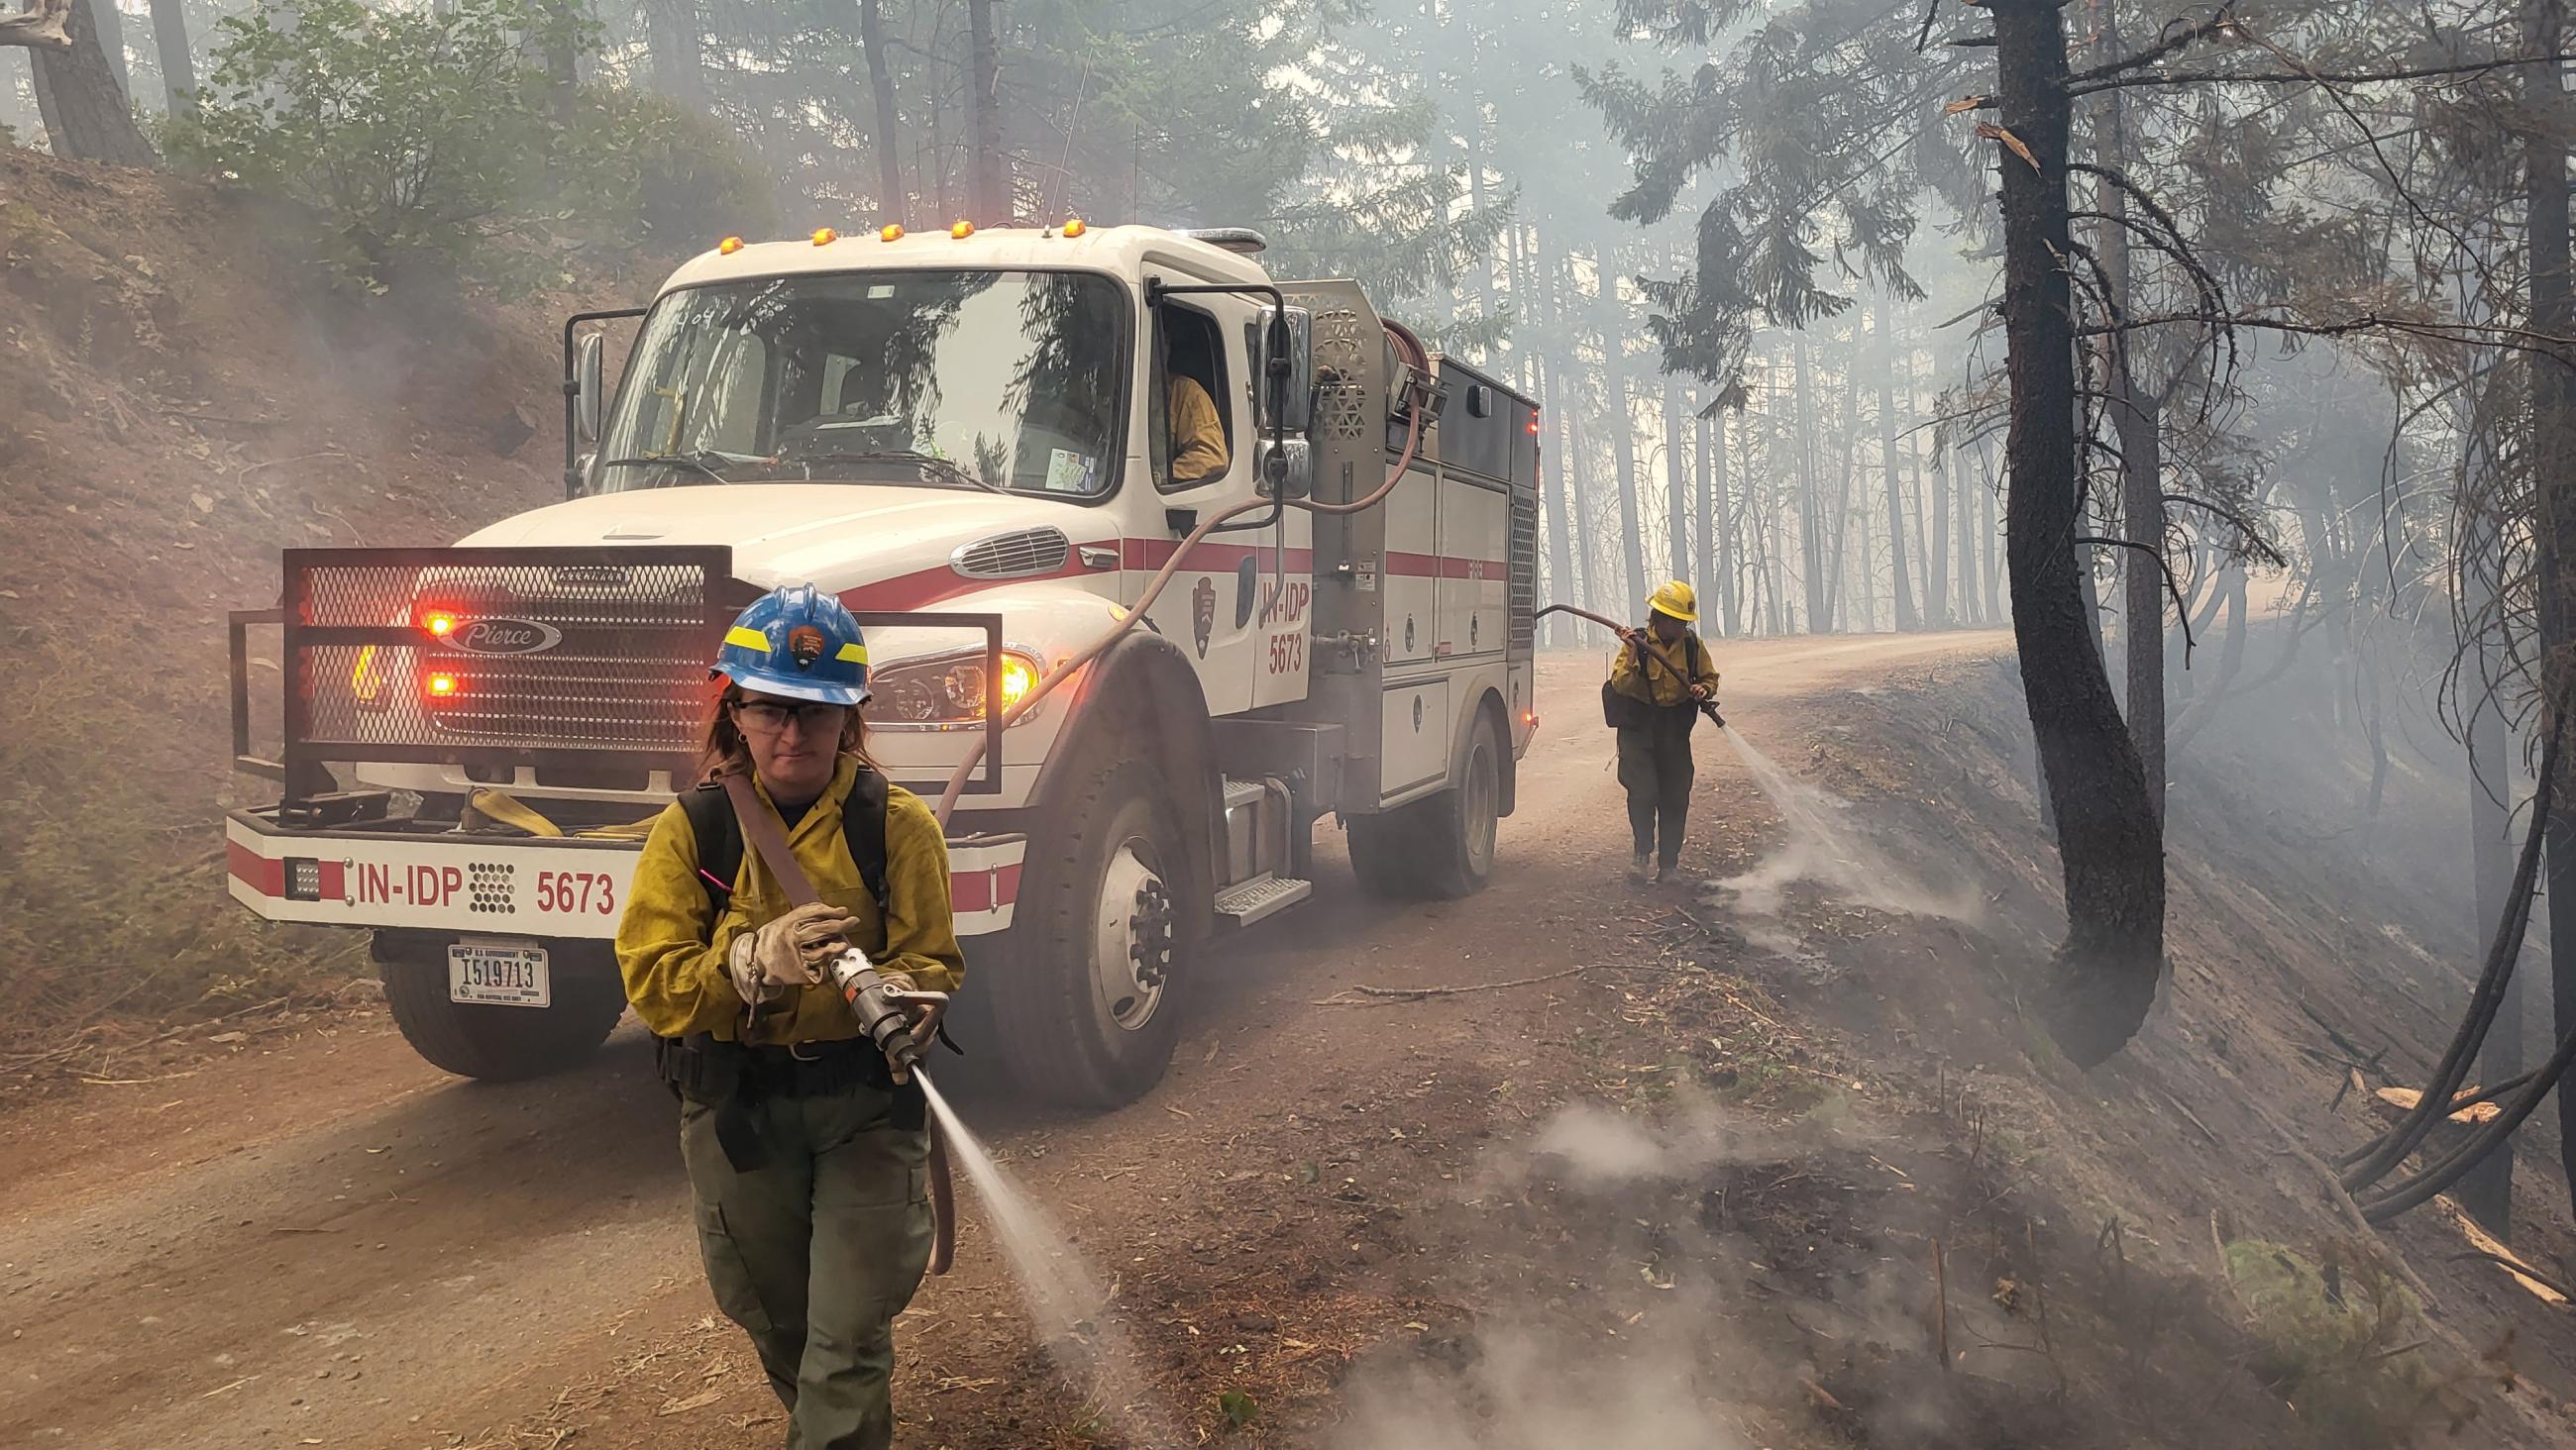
1198	434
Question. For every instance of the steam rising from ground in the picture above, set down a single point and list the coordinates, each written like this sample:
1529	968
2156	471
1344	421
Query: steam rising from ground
1624	1321
1829	847
1529	1391
1597	1148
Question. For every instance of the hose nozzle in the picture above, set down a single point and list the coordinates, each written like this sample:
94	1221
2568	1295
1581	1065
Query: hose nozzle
884	1013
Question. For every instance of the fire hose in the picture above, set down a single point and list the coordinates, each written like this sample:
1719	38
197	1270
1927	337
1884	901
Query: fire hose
1416	391
1635	636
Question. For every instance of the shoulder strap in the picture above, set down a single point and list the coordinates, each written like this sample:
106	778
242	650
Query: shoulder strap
863	824
768	835
719	838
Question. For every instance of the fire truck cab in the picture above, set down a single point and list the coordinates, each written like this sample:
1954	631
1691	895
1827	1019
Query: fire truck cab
968	437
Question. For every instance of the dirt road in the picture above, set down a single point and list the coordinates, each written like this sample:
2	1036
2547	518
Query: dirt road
316	1239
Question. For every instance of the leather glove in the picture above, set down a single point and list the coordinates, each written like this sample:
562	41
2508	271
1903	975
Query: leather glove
789	952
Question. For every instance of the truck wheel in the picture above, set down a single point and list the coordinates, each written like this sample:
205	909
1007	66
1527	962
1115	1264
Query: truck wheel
1385	854
1442	845
498	1044
1456	845
1086	1013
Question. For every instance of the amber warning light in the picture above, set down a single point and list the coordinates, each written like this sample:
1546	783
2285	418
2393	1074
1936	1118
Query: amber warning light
440	687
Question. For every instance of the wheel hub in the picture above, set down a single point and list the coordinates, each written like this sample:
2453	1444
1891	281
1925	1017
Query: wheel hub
1132	949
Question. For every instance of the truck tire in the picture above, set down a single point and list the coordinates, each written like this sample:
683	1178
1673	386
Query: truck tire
1456	847
1085	1011
498	1044
1383	854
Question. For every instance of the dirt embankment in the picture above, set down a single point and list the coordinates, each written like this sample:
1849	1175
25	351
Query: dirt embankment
186	397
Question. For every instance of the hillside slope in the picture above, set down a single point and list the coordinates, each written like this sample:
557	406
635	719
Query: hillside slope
2310	938
185	399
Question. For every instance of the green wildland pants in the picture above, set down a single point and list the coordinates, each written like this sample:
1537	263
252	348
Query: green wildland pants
817	1250
1656	767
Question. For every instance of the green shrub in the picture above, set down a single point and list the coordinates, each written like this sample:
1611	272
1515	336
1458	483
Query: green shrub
409	134
653	175
2345	1353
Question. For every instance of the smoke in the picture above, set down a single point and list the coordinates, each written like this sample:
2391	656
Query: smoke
1594	1148
1648	1284
1831	848
1541	1391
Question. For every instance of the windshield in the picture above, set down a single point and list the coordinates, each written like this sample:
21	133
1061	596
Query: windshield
953	379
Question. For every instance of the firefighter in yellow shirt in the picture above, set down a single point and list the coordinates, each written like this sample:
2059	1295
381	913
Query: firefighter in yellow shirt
1198	434
808	1163
1667	671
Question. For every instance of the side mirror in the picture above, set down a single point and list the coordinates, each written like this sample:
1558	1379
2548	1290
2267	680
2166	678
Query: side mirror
1284	364
589	384
1287	467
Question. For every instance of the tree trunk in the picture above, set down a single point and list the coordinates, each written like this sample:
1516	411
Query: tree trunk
674	42
1906	619
2553	386
89	118
888	138
1956	465
992	197
1623	438
2142	507
1841	597
1677	488
1811	528
109	24
1560	512
178	63
2487	1191
41	81
1482	263
1936	557
2109	840
1718	517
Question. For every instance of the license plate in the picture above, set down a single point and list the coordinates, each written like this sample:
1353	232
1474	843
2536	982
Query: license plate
498	974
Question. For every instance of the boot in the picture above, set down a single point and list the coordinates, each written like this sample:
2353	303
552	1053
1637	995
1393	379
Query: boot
1664	872
1639	865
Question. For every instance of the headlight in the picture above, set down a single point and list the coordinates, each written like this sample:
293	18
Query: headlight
947	689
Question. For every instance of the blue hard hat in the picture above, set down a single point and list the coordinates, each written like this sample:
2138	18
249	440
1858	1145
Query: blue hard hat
797	642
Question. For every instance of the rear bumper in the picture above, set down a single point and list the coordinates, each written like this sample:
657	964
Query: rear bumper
397	874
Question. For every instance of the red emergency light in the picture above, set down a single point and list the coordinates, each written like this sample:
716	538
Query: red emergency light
438	621
440	686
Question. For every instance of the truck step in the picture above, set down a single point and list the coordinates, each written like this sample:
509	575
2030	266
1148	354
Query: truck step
1262	896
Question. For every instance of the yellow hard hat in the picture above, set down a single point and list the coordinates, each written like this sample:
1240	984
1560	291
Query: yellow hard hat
1675	598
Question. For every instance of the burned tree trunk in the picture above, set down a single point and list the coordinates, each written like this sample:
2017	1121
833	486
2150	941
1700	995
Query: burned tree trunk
2109	841
2553	451
86	115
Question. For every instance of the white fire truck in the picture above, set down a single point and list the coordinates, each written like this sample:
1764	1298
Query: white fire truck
966	435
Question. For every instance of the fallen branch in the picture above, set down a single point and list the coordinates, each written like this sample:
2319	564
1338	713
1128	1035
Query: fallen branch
2343	1200
1343	998
2518	1268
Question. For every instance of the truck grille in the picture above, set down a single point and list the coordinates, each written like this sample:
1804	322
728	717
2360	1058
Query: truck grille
500	654
1017	555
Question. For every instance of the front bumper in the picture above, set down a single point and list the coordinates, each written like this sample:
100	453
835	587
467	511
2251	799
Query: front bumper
418	876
